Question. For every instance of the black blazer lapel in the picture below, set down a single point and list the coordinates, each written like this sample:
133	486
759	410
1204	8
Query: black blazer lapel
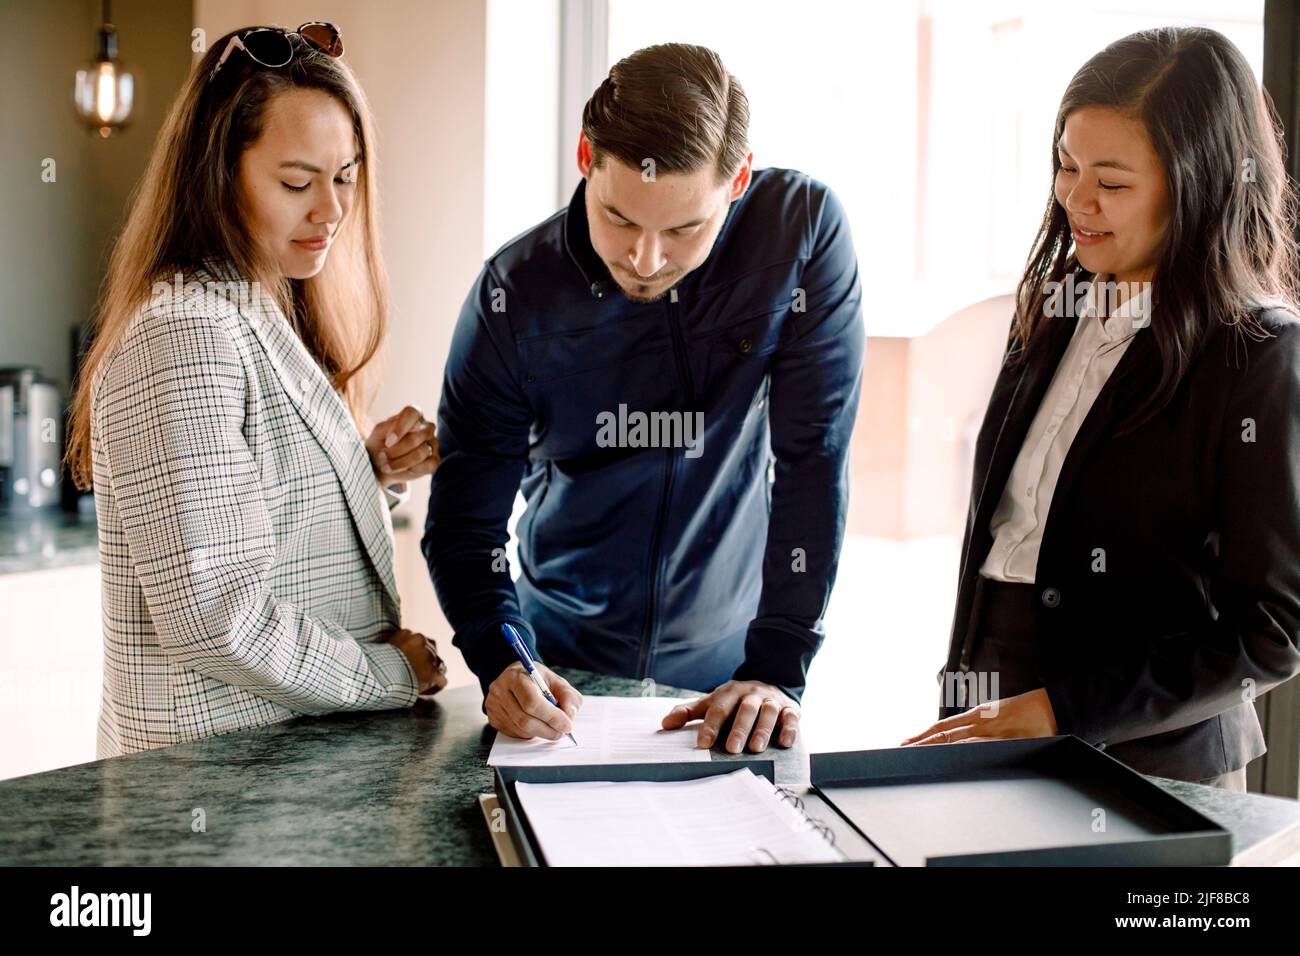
1017	393
1135	376
1014	403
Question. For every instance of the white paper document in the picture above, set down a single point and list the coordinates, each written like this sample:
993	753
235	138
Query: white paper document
608	730
732	819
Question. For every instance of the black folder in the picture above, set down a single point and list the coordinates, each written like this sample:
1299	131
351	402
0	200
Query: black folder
1050	801
1043	801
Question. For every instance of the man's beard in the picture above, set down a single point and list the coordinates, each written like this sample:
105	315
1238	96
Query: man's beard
643	299
638	291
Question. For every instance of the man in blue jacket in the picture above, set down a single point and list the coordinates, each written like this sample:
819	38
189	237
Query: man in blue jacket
671	366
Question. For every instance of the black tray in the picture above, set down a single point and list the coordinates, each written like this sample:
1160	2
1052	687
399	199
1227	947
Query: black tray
1027	802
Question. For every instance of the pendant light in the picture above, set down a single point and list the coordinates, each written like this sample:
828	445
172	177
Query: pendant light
105	90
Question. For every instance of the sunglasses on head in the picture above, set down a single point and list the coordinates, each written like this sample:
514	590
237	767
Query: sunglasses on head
273	46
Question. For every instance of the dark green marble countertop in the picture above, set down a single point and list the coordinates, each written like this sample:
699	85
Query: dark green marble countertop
377	788
48	538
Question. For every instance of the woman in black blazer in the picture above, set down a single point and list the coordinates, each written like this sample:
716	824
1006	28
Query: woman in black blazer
1130	571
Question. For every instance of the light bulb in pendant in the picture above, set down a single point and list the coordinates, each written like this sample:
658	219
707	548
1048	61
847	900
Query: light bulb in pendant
105	90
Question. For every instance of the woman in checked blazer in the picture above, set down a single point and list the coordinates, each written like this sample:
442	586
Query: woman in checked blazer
245	540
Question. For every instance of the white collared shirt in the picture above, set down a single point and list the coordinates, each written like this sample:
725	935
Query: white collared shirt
1093	352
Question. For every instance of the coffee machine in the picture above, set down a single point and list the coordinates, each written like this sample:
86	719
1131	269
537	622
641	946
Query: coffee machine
31	445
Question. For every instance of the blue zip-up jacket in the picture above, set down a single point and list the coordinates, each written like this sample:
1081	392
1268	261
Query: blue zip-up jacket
689	565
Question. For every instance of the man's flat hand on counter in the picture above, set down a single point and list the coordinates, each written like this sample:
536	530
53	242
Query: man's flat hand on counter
756	709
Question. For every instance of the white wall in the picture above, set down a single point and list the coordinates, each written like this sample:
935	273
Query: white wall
521	135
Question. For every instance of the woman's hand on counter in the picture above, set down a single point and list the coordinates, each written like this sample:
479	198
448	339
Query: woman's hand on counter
403	446
422	654
1026	715
516	707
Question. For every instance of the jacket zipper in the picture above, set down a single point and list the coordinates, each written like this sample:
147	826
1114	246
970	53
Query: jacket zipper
679	347
656	546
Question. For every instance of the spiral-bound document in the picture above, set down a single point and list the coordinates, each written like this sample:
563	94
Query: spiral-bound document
731	819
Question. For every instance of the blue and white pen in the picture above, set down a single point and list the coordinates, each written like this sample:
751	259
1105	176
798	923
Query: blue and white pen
516	641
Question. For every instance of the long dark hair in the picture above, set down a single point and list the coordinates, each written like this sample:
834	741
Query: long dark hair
186	209
1229	250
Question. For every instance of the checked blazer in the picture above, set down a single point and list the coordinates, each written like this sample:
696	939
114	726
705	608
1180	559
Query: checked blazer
245	543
